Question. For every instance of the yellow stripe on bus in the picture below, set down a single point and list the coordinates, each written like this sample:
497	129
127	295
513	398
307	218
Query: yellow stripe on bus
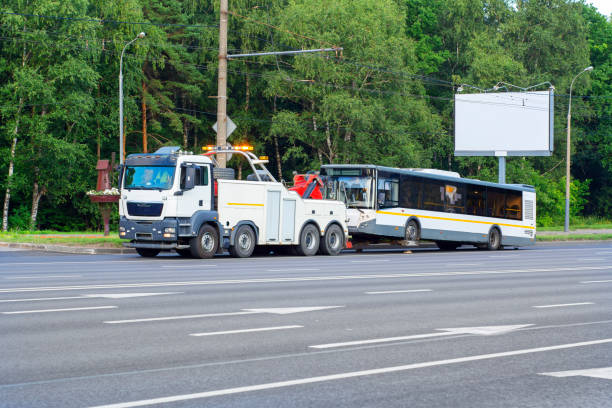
253	205
453	219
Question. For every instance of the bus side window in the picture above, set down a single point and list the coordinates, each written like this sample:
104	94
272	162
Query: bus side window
454	198
433	195
388	192
514	201
496	202
411	191
475	200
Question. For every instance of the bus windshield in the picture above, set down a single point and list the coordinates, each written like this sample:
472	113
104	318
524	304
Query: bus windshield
355	191
148	177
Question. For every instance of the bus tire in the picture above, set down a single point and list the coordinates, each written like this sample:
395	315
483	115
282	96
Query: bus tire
148	252
333	241
206	243
309	241
413	232
494	240
244	242
185	253
447	245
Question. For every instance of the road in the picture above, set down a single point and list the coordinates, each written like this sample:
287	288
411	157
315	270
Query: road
469	328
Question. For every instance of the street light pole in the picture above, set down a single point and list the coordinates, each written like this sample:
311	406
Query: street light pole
567	159
121	152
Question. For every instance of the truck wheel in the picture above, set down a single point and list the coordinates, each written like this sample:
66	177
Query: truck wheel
494	241
205	244
148	252
309	241
244	242
333	241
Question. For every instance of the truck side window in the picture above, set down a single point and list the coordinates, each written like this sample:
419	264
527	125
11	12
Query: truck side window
201	176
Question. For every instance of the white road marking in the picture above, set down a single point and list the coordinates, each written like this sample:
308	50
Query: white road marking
278	310
591	259
371	261
293	270
461	264
104	295
39	299
346	375
196	316
60	310
600	281
398	291
128	295
290	310
604	372
245	331
194	267
43	277
482	331
564	305
303	279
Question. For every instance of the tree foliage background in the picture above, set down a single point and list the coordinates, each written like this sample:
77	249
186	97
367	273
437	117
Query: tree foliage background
387	98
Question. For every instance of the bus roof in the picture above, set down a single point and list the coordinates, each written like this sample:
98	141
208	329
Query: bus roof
420	173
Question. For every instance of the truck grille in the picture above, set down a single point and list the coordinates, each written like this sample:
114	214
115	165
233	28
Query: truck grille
145	209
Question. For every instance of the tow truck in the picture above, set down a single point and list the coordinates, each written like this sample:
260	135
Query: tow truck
176	200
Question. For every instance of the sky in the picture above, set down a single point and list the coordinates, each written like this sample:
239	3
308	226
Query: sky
604	6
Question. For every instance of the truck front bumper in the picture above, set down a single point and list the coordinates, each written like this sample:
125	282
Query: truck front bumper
149	234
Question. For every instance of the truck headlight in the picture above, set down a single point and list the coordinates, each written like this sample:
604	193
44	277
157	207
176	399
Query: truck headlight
121	231
169	232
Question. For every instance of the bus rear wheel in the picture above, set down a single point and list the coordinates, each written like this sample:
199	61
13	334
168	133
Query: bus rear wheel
494	240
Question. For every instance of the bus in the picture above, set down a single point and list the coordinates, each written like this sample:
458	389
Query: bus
434	205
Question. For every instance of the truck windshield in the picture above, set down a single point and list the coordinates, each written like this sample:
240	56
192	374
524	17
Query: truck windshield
148	177
355	191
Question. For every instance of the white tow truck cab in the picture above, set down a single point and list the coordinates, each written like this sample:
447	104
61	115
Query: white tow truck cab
168	202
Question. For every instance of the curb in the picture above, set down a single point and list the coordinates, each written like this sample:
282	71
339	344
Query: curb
66	249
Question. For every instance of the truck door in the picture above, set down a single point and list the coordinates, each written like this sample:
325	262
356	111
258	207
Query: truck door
199	197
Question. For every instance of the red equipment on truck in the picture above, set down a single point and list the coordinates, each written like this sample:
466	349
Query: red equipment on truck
307	186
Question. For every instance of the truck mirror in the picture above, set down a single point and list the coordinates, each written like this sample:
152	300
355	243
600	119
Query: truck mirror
189	178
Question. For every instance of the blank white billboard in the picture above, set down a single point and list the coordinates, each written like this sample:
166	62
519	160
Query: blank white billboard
504	124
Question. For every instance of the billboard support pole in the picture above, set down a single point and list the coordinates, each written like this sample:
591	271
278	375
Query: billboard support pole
502	170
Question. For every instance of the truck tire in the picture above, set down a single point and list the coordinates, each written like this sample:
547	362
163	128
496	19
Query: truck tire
244	242
494	240
333	241
148	252
224	173
309	241
206	243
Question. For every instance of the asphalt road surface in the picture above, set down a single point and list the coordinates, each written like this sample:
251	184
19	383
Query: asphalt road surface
468	328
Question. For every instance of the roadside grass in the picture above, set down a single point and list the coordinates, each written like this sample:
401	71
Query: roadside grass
582	223
42	237
574	237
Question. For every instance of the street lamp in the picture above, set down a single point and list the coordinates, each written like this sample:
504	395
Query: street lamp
121	154
567	160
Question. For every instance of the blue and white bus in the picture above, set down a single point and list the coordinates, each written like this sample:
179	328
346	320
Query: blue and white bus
434	205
